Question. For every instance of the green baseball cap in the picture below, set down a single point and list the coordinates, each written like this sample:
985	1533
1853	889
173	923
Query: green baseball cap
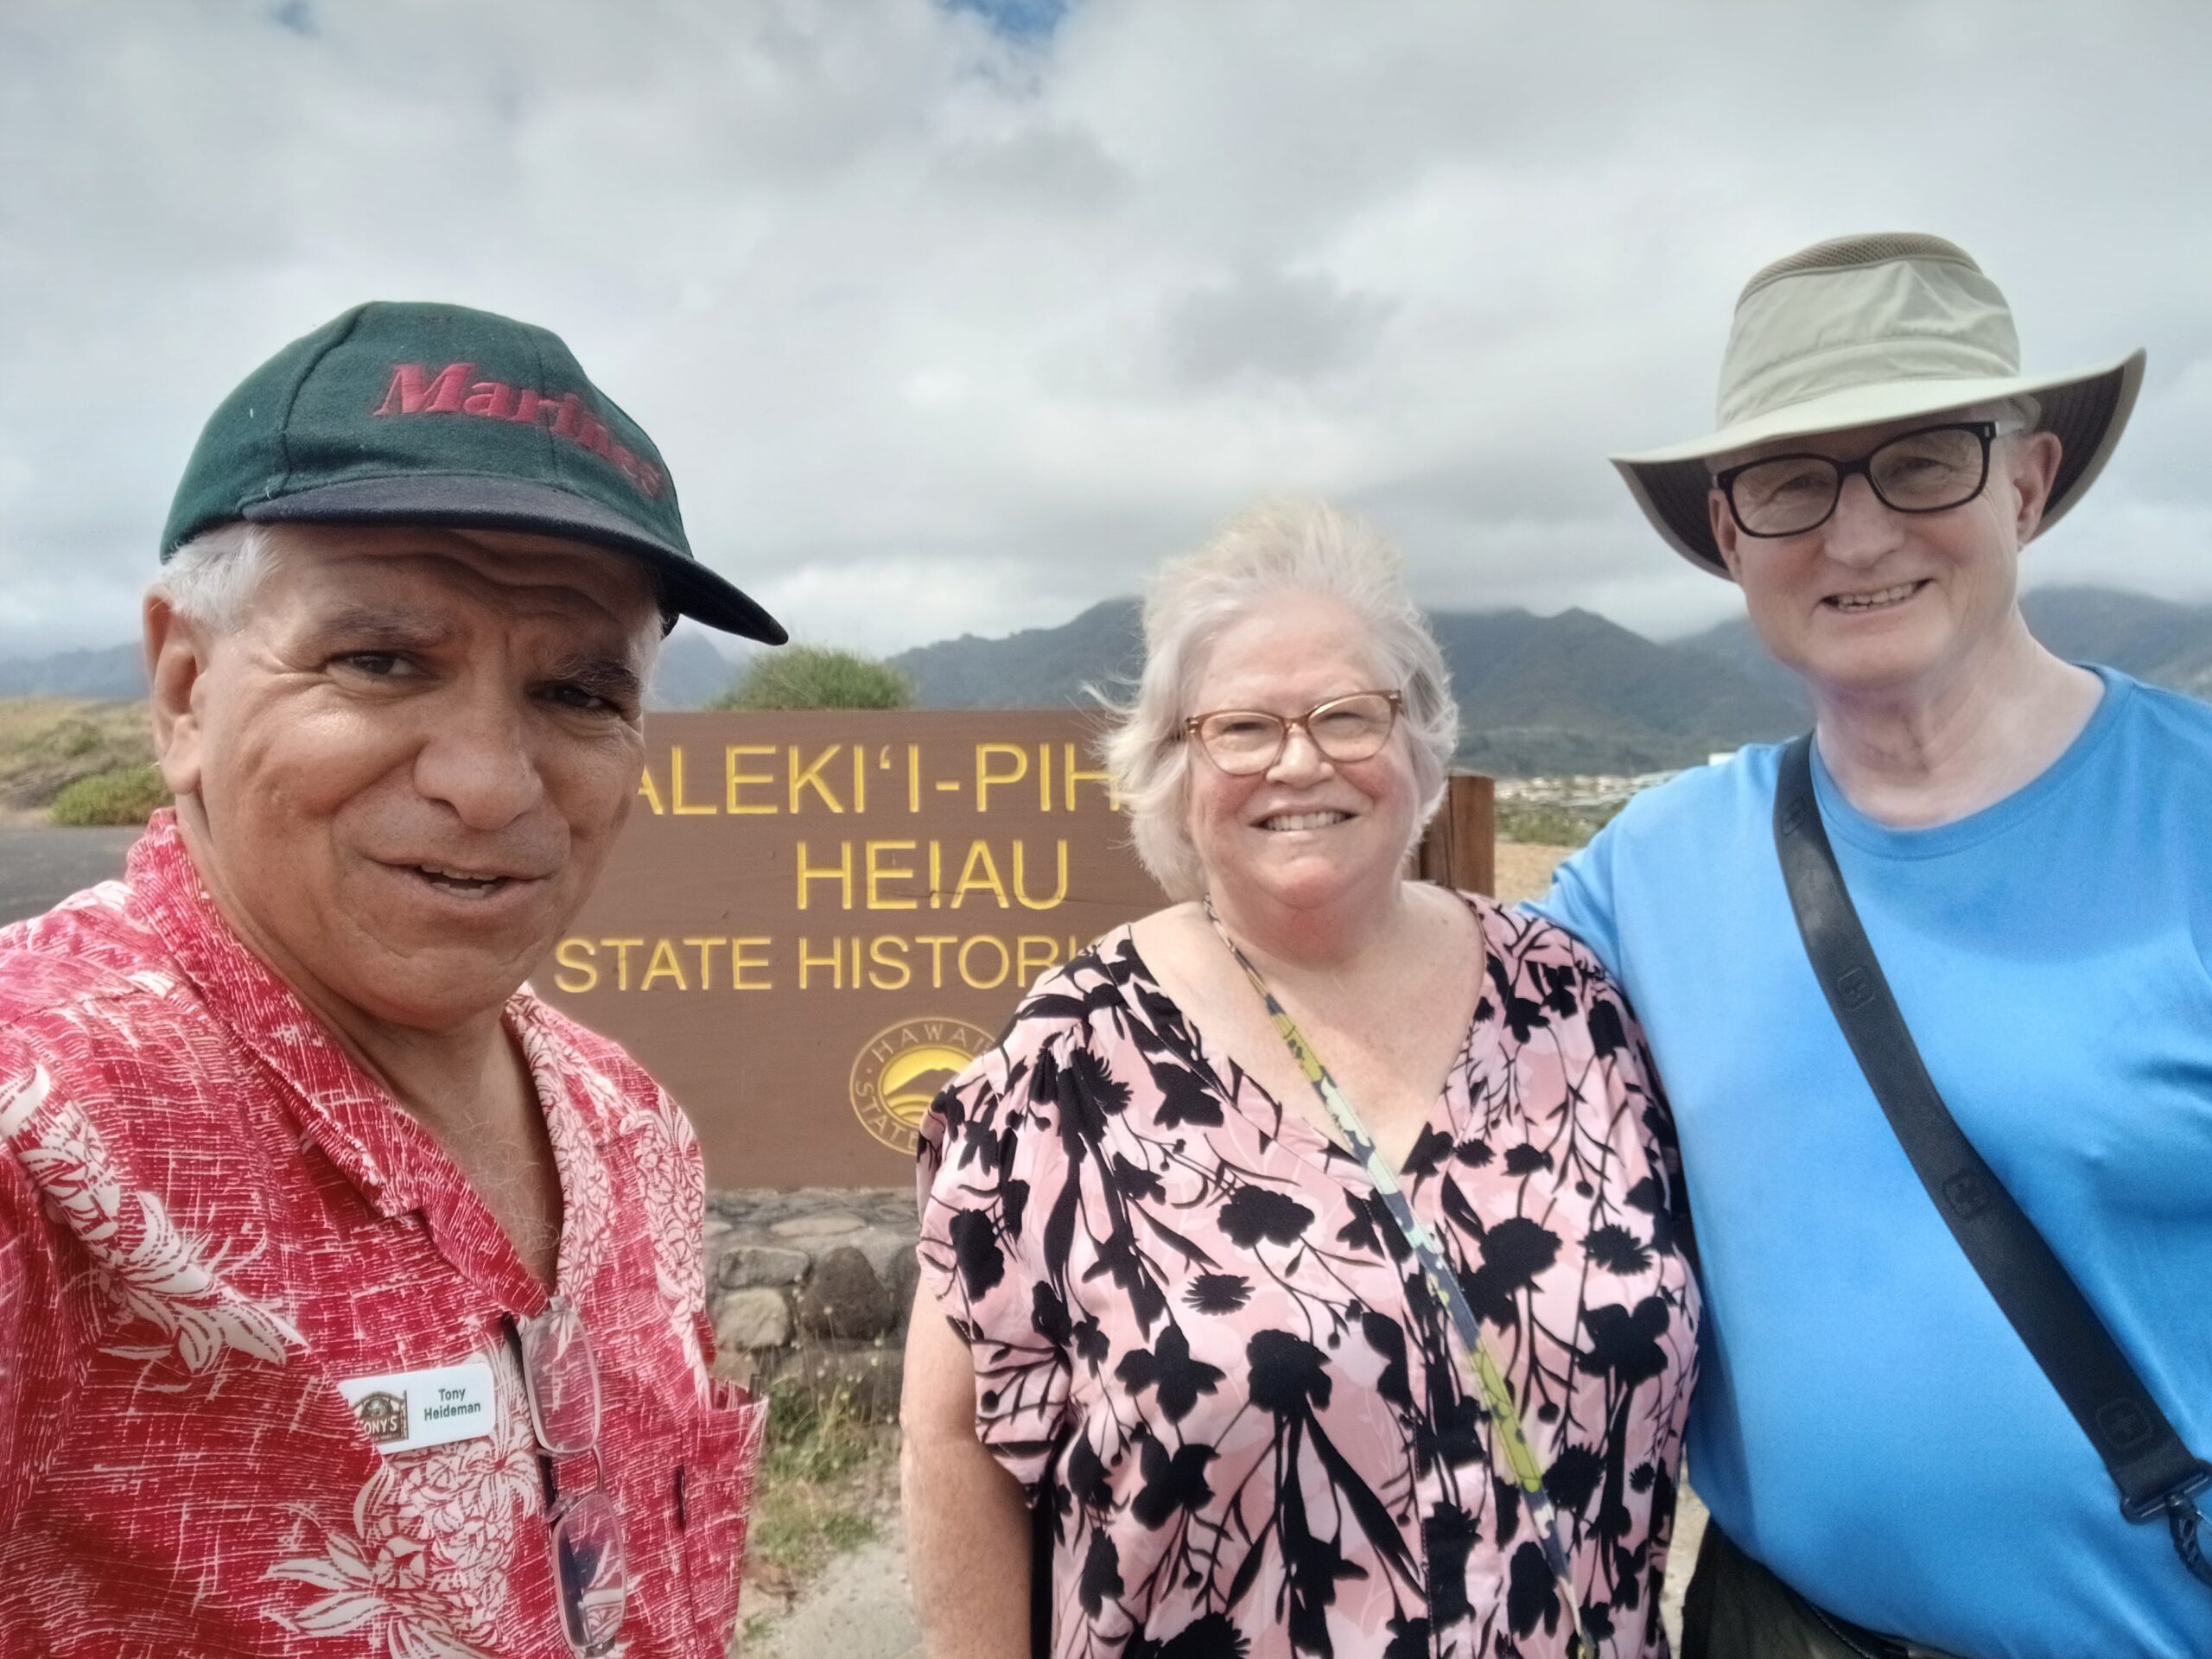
417	413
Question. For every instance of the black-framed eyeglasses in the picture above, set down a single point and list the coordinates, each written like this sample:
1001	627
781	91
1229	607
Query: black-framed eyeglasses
590	1568
1245	742
1931	469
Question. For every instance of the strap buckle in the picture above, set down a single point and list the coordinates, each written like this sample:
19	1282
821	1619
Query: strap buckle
2177	1496
2184	1518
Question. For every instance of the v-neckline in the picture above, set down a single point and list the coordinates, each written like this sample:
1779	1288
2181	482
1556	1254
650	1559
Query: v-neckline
1310	1142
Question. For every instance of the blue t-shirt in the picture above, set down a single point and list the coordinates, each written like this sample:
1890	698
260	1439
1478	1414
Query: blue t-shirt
1866	1422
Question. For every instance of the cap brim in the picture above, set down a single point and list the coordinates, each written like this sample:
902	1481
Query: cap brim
482	501
2086	409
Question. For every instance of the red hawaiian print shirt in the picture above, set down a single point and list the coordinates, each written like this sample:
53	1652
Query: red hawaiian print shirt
215	1229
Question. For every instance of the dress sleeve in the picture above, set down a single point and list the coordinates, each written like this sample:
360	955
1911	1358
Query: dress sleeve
1631	1080
983	1154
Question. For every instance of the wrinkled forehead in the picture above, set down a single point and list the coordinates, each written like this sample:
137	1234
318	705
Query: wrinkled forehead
469	576
1850	442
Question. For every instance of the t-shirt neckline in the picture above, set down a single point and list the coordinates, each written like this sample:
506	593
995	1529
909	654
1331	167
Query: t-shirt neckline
1847	822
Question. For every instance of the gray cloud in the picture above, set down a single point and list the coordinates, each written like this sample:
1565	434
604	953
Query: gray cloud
948	330
1273	325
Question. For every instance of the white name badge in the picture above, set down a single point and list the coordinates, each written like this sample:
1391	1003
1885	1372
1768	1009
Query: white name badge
407	1410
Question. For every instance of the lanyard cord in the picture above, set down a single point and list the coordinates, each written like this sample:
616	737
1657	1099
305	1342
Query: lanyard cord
1443	1284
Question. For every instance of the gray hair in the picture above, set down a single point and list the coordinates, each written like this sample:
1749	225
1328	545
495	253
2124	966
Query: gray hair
1302	547
211	579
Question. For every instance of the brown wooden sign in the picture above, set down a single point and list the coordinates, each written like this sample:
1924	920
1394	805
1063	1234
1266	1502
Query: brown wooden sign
813	920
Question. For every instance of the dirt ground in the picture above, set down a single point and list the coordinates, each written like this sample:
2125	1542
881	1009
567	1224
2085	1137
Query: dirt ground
1525	869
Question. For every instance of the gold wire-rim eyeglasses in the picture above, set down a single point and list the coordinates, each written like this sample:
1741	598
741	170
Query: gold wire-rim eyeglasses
1207	732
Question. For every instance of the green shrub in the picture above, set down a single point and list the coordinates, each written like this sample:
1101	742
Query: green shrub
126	795
817	676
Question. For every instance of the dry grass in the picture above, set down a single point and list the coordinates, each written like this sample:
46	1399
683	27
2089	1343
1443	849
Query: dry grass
830	1481
1525	869
49	743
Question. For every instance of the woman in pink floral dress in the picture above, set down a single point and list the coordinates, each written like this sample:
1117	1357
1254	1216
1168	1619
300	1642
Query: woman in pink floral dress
1169	1326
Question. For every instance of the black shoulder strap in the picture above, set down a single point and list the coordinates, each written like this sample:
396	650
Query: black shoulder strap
2155	1472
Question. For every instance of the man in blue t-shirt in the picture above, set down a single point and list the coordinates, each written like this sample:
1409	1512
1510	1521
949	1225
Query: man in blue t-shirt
2026	844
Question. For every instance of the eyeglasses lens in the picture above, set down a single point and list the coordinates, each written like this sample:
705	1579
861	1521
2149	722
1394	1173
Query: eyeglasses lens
1921	472
1241	742
595	1577
563	1381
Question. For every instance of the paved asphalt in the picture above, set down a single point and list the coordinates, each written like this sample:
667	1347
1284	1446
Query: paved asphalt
40	866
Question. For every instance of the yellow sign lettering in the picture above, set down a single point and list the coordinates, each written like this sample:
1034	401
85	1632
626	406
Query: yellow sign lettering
834	961
621	949
968	973
842	873
663	965
985	777
1021	883
936	942
880	870
682	807
738	779
810	777
567	954
744	959
979	853
1075	774
887	952
1033	954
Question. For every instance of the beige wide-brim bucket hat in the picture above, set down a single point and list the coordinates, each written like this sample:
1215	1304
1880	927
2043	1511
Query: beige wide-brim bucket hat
1862	330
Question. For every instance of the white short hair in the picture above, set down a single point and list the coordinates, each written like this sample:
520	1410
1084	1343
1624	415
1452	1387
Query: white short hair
212	579
1279	548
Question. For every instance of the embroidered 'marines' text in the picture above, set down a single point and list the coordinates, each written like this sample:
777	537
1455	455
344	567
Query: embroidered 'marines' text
415	391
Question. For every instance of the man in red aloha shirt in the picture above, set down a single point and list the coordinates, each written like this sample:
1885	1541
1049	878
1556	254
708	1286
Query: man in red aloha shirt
351	1298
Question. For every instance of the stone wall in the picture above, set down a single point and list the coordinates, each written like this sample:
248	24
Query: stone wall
813	1285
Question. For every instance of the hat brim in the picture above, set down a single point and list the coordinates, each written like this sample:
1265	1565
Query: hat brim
2086	409
484	501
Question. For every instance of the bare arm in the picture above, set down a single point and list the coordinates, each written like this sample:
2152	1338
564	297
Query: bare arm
967	1519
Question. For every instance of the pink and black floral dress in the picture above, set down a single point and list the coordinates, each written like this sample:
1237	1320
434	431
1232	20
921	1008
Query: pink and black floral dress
1198	1340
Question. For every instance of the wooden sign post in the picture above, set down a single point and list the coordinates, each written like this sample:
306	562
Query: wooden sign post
1461	850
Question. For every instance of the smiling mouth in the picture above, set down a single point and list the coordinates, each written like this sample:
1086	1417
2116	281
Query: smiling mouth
1288	821
462	884
1856	604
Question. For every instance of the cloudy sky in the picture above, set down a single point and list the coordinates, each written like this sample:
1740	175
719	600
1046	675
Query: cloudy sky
954	316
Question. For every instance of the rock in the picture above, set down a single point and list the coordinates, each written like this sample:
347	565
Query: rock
824	1225
883	1246
744	1265
752	1320
899	1284
845	1298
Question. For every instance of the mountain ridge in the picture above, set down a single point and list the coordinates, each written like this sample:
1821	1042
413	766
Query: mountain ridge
1539	696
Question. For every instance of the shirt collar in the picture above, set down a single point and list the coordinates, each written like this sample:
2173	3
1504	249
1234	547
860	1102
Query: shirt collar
378	1144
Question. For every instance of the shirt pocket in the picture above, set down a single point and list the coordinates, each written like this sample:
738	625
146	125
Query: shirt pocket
715	1501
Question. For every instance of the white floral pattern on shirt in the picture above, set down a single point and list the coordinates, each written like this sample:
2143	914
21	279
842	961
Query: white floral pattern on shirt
210	1218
